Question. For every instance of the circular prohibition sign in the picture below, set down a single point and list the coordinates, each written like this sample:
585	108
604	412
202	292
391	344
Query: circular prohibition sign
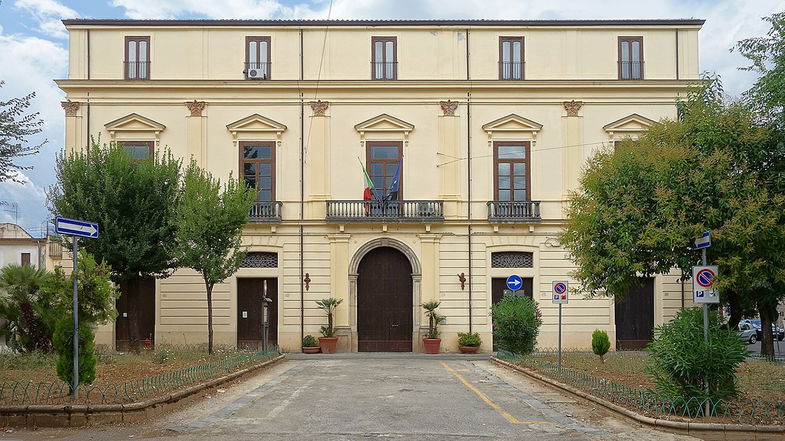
705	278
560	288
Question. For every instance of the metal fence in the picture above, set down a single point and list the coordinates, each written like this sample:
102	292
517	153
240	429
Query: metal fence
652	404
14	393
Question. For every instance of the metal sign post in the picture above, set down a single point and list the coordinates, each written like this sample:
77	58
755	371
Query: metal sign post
76	228
560	296
703	291
265	315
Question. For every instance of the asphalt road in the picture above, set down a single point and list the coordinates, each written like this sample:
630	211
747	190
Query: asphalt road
412	398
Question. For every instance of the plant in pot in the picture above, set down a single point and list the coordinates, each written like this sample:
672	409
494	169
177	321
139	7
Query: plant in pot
328	341
469	342
432	340
310	344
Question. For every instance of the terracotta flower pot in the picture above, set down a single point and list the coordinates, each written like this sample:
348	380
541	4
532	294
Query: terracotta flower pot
432	345
310	349
328	344
468	349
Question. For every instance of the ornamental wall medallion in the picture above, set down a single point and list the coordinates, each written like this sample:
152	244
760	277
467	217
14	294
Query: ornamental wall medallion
572	107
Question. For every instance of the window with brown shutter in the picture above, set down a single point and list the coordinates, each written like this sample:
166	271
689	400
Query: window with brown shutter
511	58
257	58
511	172
384	62
383	160
630	58
25	259
137	58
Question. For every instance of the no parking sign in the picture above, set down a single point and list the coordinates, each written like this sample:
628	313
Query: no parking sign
559	292
703	290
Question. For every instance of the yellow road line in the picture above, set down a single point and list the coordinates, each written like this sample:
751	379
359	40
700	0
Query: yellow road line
487	400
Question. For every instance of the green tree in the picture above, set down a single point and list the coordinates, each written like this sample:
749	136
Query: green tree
64	343
517	321
209	224
15	128
134	203
640	205
30	310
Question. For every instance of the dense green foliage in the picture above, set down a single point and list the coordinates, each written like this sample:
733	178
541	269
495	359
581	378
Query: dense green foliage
517	323
434	318
683	365
64	344
208	225
15	127
600	343
469	339
309	341
134	202
329	306
30	309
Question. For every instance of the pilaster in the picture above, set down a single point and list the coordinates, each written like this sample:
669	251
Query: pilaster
449	165
196	131
74	132
317	160
572	127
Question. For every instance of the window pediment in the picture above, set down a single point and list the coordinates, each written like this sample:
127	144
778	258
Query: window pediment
384	123
134	123
512	123
256	123
633	123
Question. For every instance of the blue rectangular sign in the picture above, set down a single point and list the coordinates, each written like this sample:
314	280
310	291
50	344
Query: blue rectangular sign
704	241
76	227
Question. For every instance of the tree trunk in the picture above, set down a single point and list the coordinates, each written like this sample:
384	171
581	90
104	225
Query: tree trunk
767	316
735	309
209	287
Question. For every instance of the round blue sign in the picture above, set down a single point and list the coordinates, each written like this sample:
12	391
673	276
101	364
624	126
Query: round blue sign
560	288
514	282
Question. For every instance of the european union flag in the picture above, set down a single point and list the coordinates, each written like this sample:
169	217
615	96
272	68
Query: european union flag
393	194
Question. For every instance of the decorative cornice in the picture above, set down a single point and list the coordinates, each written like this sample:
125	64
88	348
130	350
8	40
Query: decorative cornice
70	107
319	107
196	107
448	107
572	107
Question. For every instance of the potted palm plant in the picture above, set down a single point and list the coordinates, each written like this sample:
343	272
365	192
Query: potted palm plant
432	340
310	345
328	341
469	342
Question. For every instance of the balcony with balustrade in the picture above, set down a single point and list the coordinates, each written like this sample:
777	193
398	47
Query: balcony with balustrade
514	211
424	211
265	212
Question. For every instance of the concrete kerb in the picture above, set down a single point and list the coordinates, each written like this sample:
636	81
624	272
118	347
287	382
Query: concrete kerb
83	414
673	426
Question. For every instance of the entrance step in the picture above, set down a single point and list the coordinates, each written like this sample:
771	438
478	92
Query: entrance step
385	355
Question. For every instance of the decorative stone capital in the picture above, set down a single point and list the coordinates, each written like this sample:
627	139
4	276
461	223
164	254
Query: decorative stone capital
70	107
448	107
572	107
196	107
319	107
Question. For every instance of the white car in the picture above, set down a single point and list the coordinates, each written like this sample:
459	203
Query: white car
747	333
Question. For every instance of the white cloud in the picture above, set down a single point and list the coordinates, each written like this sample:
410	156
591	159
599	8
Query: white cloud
31	203
260	9
48	14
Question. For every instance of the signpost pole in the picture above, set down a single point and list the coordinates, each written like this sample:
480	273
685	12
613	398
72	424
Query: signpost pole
560	336
705	328
265	312
76	321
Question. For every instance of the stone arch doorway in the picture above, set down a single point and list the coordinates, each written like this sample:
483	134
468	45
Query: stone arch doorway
384	281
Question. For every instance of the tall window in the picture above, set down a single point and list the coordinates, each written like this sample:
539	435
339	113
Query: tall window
630	58
138	150
383	161
512	171
257	165
25	259
257	58
385	58
511	58
137	58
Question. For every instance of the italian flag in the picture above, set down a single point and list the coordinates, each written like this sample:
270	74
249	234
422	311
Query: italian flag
367	193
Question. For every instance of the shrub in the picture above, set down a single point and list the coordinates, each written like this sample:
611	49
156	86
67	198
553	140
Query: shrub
329	306
600	343
162	355
469	339
517	322
64	345
30	310
434	318
682	364
309	341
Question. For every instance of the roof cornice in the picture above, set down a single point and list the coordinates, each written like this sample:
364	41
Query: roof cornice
382	23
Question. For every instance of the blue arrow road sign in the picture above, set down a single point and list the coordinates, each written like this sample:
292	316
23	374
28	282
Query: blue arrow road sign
514	282
76	227
704	241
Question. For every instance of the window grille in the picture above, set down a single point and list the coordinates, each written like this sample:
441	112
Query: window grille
260	260
512	259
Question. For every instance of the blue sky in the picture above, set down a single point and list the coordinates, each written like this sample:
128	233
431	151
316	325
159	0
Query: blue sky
33	47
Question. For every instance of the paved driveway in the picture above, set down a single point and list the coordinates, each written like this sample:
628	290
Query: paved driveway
354	398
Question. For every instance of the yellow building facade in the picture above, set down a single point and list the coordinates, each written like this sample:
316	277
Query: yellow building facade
486	124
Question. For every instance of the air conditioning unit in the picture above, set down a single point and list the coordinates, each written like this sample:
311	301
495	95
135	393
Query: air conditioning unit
257	74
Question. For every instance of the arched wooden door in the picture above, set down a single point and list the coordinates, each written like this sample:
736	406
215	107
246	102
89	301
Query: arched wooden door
384	302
